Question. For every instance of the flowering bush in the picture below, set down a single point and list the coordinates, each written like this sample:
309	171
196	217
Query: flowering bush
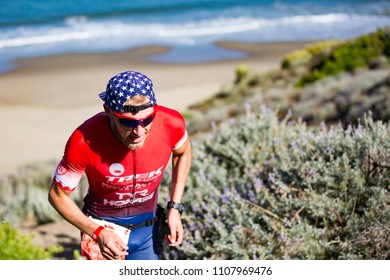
260	188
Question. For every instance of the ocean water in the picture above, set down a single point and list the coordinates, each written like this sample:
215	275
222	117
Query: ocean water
44	27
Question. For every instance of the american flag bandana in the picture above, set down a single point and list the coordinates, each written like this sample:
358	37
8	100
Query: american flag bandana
125	85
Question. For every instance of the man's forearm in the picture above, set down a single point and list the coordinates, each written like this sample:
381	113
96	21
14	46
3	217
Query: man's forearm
181	163
70	211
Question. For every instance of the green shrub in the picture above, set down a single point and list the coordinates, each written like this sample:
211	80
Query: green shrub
303	57
15	246
295	58
353	54
24	195
241	72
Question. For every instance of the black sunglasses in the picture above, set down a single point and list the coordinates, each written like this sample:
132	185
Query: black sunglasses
133	123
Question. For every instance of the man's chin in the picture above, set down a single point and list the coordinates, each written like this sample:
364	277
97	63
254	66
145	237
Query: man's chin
133	144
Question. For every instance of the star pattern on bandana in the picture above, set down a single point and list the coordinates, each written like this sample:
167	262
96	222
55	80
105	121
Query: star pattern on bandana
125	85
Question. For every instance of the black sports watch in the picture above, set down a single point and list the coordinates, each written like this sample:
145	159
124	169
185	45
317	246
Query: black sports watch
178	206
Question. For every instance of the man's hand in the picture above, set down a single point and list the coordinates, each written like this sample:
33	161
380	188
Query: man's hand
111	245
175	225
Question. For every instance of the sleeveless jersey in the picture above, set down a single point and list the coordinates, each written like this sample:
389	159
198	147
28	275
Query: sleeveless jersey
122	182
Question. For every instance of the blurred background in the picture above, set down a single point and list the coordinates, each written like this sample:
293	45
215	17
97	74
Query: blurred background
287	106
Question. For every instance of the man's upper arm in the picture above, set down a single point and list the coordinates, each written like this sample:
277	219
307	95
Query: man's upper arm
72	166
185	147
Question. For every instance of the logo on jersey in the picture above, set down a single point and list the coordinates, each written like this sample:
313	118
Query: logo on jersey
116	169
141	178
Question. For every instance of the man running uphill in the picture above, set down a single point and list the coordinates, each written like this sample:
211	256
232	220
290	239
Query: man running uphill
123	151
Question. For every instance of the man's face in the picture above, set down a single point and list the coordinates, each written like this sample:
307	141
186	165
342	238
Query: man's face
132	128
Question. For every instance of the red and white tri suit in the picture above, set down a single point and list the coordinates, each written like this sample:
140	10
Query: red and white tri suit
122	182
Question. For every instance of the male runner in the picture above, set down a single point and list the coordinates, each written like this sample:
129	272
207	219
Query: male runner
123	151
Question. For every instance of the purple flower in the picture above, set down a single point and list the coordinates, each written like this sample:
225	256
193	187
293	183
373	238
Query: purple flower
283	186
194	208
294	145
186	245
192	227
265	109
258	185
248	107
197	236
311	172
271	177
209	219
359	130
225	198
283	236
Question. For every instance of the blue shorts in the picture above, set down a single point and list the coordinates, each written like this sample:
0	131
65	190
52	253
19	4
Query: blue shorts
143	241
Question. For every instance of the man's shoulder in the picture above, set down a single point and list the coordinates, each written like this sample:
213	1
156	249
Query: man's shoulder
166	112
91	132
170	125
95	122
92	127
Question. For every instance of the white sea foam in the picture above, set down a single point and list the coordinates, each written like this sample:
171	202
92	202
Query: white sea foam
81	29
83	34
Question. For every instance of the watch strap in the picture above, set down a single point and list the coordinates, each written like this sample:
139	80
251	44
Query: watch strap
175	205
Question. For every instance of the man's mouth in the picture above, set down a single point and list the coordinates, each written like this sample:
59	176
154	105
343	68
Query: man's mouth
135	138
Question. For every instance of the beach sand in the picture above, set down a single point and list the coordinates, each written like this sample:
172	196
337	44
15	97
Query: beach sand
44	99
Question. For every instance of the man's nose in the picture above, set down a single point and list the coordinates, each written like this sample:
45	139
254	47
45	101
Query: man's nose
139	130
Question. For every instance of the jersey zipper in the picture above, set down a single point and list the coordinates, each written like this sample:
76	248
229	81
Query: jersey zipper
134	176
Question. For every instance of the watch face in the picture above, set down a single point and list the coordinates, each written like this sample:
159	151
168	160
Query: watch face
175	205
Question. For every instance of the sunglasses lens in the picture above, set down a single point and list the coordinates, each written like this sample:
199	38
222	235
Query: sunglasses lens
129	123
147	121
134	123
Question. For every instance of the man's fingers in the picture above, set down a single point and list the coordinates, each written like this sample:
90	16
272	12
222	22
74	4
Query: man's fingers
179	237
114	249
119	250
168	239
174	239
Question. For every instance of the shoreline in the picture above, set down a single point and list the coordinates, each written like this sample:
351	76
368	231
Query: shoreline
45	98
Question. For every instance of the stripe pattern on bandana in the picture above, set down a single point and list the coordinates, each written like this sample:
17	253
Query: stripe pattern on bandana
125	85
